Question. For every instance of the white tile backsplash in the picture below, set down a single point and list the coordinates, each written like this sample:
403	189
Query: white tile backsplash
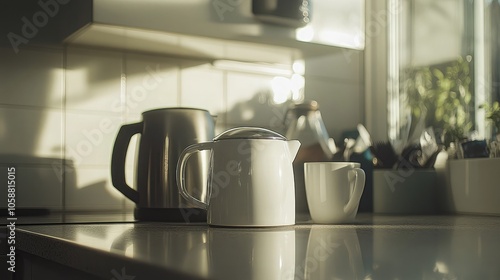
130	179
37	186
94	81
31	78
203	87
91	189
242	88
131	158
70	103
31	131
90	137
151	83
250	102
133	146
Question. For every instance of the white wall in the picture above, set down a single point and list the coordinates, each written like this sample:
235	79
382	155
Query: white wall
336	82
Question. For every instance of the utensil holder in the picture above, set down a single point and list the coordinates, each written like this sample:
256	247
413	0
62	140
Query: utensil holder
407	192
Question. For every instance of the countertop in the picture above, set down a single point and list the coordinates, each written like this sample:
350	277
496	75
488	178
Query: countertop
47	217
374	247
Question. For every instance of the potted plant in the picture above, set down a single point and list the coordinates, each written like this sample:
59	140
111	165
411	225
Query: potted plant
441	96
493	114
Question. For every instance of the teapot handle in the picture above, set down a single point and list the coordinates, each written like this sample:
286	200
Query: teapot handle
181	172
359	185
118	160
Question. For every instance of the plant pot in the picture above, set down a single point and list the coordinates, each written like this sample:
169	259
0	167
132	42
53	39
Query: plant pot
474	185
405	192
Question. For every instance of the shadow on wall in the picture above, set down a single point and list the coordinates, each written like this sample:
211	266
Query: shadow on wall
95	195
32	115
18	86
36	185
39	184
261	110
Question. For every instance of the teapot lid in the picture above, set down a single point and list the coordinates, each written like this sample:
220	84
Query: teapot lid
247	132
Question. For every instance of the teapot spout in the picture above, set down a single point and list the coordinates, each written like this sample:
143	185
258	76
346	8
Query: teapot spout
293	147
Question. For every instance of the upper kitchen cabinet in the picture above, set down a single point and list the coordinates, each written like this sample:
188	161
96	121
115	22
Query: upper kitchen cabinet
212	29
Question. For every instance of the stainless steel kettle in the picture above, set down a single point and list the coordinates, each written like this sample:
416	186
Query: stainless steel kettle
164	134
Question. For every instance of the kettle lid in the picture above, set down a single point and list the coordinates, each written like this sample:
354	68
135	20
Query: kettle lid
248	132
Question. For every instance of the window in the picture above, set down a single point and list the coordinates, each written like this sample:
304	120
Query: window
444	60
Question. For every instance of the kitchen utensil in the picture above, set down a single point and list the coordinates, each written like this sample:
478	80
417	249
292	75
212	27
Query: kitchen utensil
494	149
333	190
418	128
304	123
349	148
164	135
428	146
398	143
409	157
364	141
384	154
251	178
432	159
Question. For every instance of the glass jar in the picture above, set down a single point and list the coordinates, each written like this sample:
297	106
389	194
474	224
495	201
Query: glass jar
304	123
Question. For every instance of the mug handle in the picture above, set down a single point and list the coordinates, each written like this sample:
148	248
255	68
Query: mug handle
359	185
118	160
181	172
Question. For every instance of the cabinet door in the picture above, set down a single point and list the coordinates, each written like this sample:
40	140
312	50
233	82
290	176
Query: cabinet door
4	273
31	267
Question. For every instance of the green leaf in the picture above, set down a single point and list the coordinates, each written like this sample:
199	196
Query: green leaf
468	98
438	74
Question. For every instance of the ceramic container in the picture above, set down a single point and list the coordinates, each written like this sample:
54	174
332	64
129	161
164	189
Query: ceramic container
412	191
474	185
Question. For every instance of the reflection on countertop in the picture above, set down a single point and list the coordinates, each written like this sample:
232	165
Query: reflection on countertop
45	217
375	247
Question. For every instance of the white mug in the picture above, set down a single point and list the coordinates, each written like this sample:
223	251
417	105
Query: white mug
333	190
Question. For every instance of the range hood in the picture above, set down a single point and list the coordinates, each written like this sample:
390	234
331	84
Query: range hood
193	28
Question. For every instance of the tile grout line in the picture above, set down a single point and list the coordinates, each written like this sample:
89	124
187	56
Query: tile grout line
225	99
64	122
124	110
179	83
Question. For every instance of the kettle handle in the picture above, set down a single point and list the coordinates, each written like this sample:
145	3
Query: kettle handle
359	186
118	160
181	172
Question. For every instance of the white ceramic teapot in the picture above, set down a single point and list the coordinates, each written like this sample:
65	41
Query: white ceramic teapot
251	180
